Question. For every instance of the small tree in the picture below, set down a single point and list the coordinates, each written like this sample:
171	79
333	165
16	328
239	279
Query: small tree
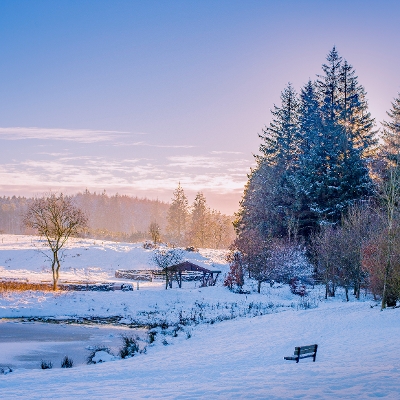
177	217
55	218
154	231
165	259
235	274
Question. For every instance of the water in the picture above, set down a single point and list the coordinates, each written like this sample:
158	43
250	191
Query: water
25	344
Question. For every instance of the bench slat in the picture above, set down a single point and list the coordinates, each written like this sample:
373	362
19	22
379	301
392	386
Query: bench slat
307	350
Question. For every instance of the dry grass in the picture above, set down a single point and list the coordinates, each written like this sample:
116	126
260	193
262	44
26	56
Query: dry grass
18	286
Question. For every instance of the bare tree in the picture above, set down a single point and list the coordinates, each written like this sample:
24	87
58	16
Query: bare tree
166	259
326	252
55	218
154	231
390	197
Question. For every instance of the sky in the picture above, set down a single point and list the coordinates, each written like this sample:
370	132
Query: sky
133	97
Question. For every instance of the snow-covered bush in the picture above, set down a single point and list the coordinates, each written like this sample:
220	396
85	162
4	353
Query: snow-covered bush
67	362
99	354
298	287
152	336
129	348
148	245
191	249
46	364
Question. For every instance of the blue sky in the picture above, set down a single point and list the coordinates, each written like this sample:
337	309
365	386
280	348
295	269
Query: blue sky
135	96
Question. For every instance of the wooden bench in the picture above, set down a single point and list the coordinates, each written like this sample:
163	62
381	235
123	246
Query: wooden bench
303	352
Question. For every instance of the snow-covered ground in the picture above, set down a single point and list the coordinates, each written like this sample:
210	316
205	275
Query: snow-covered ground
358	358
211	349
84	260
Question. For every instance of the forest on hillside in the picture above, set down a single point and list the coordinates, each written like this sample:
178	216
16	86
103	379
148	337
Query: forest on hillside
131	219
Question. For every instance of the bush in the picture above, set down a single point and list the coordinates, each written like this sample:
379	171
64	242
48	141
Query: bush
5	370
148	245
235	276
298	287
46	364
191	249
129	348
93	358
152	336
67	362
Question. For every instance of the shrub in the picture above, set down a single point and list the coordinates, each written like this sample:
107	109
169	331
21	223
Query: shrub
129	348
152	336
91	358
5	370
20	286
191	249
46	364
235	276
297	287
67	362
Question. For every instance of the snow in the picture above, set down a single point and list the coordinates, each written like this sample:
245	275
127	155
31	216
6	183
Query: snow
358	357
84	260
358	354
102	356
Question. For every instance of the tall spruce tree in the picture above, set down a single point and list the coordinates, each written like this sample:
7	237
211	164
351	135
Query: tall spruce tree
269	199
280	145
309	176
354	114
390	150
345	176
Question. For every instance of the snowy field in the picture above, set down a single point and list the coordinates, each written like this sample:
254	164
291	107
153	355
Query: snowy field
213	343
26	258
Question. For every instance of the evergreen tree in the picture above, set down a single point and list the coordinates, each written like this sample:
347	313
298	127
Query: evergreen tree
391	135
354	114
258	206
200	223
178	216
344	176
312	159
313	162
279	159
280	145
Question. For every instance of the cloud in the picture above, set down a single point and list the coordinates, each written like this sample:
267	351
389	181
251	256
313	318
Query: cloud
225	152
188	161
161	146
136	173
76	135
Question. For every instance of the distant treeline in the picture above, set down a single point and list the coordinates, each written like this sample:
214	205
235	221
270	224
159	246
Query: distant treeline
129	219
116	217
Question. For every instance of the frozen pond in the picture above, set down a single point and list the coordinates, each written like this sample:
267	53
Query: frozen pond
25	344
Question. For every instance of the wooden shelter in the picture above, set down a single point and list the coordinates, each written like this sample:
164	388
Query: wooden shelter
183	270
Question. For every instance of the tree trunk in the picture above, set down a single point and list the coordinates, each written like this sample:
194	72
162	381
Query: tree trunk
259	287
53	269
